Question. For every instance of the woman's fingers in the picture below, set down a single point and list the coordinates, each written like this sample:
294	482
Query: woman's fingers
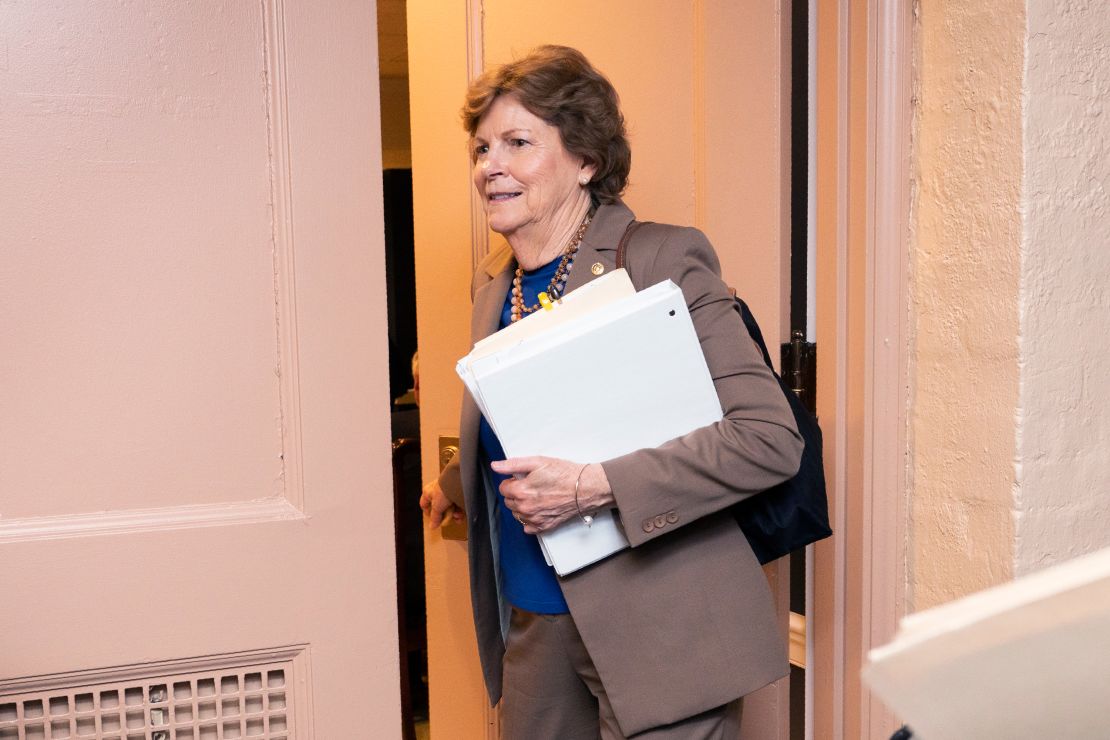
537	474
436	504
541	492
426	495
521	465
441	510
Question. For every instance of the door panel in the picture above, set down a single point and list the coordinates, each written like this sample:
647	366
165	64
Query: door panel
194	459
139	312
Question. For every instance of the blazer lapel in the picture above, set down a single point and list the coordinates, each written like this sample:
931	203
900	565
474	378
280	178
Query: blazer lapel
489	299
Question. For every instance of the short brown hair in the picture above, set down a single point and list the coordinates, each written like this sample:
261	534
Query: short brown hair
559	85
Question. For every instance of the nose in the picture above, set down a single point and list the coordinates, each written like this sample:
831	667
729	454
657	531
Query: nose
490	166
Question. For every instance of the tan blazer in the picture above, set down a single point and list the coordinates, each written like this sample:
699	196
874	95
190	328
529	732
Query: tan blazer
683	620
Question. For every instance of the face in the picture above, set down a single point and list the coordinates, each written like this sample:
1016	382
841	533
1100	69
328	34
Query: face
530	184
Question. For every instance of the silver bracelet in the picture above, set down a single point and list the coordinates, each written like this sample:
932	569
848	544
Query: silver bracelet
586	518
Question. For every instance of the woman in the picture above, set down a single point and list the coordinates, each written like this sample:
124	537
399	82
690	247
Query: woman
662	639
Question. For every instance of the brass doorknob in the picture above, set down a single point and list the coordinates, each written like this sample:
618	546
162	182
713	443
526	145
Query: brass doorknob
447	453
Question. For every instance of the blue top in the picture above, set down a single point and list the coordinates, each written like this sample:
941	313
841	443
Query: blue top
529	583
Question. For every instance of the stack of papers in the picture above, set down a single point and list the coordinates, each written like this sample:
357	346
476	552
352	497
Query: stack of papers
606	372
1024	660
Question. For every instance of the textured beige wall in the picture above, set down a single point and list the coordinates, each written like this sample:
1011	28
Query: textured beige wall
1063	506
964	300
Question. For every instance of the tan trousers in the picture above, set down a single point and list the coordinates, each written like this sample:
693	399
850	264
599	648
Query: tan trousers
552	690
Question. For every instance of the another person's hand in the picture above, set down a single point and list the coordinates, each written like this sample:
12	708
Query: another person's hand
541	492
437	506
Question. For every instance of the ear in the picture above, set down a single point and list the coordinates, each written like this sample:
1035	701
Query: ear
586	172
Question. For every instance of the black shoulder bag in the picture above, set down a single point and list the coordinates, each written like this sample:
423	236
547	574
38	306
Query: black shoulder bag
795	513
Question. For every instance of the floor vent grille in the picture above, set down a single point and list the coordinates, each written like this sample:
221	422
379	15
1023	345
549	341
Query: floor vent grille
252	702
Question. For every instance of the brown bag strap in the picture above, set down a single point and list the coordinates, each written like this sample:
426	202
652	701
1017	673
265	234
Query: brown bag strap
622	248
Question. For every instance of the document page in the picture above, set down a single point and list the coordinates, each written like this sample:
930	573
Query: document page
590	297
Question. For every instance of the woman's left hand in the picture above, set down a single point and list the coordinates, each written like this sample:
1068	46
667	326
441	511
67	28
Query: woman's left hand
540	493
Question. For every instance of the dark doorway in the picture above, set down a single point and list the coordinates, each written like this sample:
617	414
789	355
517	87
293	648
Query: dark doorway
799	357
405	423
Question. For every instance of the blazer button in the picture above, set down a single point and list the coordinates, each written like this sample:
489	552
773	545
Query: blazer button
648	525
660	521
474	519
672	516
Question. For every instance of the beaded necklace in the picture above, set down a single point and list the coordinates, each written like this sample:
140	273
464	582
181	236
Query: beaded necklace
558	280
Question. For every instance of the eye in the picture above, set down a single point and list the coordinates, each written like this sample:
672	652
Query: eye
519	142
480	149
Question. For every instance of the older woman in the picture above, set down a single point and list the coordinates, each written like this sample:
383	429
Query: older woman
662	639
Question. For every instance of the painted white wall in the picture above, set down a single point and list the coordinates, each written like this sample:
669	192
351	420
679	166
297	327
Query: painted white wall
1062	500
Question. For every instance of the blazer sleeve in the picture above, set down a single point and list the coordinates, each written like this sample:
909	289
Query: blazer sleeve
756	444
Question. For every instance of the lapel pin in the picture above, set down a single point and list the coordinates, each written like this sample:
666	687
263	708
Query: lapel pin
597	268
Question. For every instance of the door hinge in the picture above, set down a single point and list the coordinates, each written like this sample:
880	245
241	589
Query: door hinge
798	361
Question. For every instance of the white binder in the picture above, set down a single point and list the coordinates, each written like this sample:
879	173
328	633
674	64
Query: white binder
639	379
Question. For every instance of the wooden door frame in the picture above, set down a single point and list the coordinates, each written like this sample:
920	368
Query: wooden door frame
864	56
864	124
480	234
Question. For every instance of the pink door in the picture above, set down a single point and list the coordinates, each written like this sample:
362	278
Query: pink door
195	487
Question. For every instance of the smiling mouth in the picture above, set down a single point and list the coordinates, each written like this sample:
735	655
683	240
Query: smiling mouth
501	197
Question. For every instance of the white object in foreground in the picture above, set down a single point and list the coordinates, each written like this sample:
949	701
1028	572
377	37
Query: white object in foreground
1028	659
